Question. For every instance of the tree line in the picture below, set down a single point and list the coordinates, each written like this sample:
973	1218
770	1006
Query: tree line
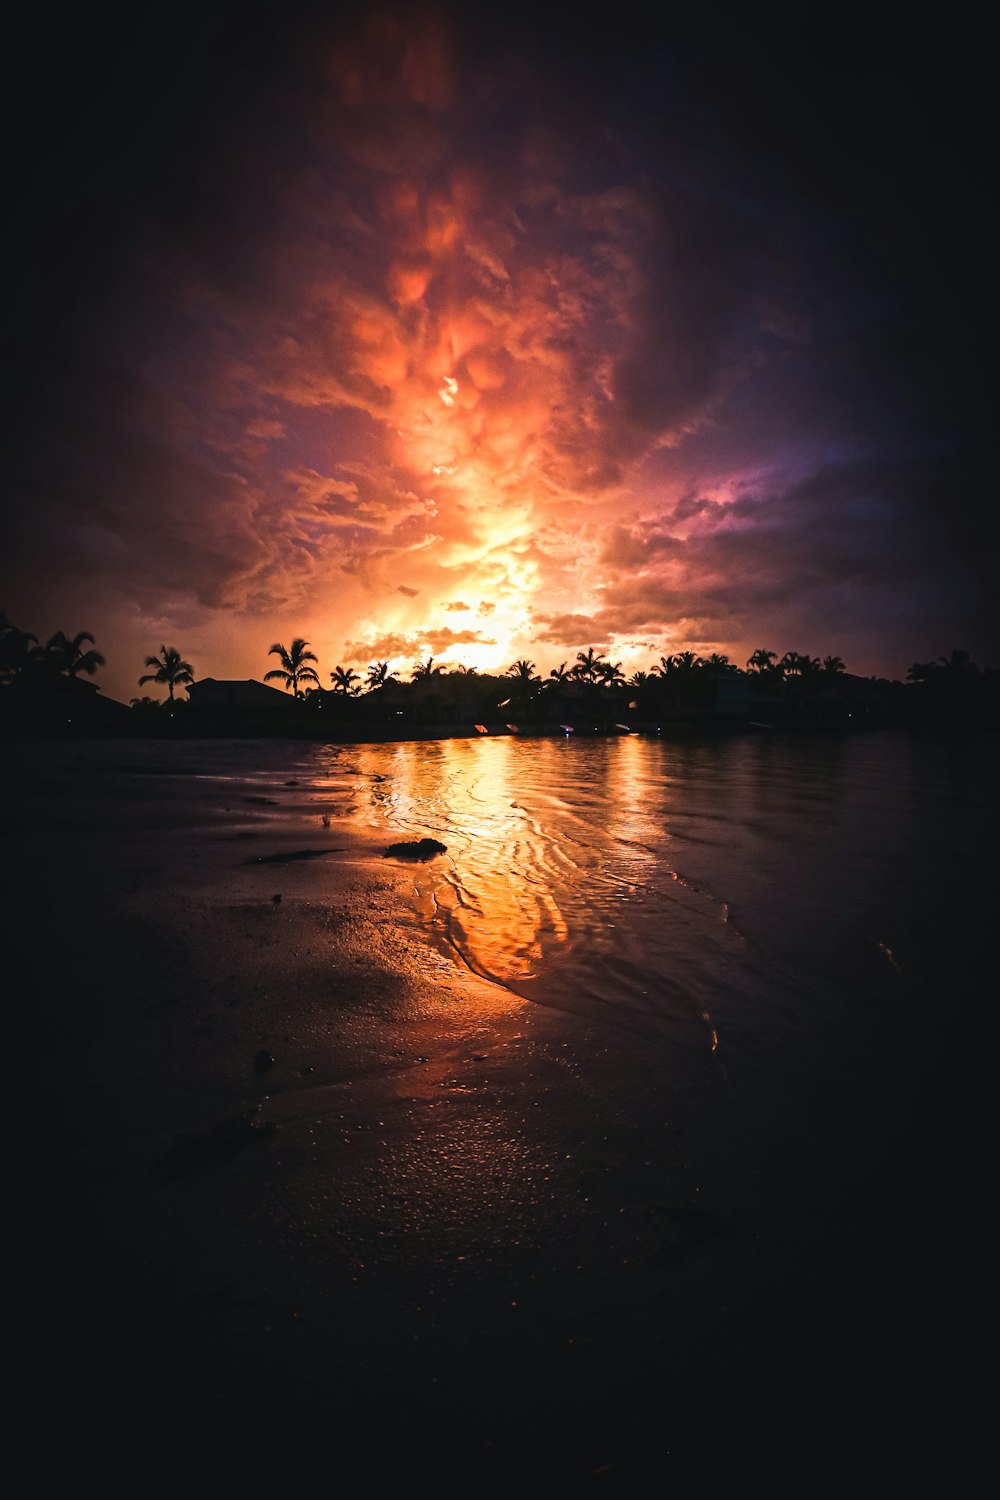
683	676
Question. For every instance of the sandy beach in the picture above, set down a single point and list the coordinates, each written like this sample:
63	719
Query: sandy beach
297	1200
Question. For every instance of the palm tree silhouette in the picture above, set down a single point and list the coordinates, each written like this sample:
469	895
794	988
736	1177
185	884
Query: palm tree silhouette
293	670
687	661
69	656
345	680
378	675
920	671
16	654
424	670
170	669
762	660
833	664
799	664
588	664
559	674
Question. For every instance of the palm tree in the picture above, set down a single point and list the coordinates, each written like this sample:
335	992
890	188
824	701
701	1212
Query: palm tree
378	675
425	670
15	650
799	664
293	670
762	660
833	664
559	674
588	664
920	671
687	661
344	680
170	669
523	670
69	656
611	674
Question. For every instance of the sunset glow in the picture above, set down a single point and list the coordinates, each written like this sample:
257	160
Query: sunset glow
499	696
452	350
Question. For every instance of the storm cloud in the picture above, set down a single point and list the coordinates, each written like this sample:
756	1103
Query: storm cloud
339	324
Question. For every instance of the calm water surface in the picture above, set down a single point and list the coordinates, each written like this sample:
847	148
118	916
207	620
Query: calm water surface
709	891
780	942
712	893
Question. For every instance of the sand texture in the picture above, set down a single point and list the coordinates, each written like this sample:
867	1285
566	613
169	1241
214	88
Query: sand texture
295	1200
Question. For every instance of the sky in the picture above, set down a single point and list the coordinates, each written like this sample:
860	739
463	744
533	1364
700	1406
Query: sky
432	331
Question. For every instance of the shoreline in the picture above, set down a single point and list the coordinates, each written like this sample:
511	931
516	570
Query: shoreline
957	726
480	1235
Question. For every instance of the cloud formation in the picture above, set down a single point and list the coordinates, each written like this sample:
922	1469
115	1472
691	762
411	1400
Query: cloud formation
451	329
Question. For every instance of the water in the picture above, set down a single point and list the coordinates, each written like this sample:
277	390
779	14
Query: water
708	892
695	889
743	980
714	894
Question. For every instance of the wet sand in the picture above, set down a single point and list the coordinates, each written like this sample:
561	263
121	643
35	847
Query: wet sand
296	1200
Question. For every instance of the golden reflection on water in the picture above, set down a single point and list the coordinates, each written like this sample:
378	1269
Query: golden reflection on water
495	898
555	886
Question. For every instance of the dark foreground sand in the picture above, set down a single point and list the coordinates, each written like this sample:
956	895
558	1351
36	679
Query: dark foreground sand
297	1202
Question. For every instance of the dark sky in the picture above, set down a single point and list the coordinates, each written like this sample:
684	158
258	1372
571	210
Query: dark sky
409	332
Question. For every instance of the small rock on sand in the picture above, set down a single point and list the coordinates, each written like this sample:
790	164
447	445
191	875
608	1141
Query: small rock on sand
415	849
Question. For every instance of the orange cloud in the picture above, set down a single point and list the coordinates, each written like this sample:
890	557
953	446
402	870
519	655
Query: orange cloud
459	352
396	646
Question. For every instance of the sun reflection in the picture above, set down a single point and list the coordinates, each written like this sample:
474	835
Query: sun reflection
493	903
556	886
